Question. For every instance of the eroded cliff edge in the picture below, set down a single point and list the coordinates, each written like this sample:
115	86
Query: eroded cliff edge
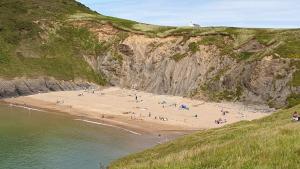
195	66
65	40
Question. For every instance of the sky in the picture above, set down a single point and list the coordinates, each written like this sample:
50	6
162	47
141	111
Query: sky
238	13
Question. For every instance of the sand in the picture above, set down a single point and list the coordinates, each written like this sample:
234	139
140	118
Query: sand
141	111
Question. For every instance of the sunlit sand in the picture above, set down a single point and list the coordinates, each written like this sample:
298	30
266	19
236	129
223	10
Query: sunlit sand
143	111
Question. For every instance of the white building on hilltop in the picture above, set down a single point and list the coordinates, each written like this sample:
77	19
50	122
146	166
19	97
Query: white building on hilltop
195	25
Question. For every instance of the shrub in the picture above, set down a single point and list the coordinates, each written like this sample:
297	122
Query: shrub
193	47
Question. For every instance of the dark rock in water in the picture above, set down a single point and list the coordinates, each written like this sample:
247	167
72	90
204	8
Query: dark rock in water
23	87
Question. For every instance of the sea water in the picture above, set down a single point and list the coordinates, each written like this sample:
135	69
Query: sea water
31	139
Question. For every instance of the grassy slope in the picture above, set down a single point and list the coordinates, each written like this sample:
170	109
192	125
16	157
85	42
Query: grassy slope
24	52
272	142
56	49
268	143
20	39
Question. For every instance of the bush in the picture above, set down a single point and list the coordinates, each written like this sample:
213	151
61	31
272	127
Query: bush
178	56
244	55
293	100
193	47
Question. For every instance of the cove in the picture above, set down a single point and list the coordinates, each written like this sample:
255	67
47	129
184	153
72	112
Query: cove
31	139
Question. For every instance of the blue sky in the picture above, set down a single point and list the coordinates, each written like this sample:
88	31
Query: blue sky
240	13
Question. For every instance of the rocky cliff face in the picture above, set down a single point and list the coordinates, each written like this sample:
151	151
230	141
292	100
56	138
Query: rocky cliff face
65	40
182	66
22	86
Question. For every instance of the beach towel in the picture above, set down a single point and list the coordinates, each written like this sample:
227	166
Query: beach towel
184	107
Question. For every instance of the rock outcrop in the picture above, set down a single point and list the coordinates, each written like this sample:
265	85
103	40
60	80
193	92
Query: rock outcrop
73	42
22	86
170	66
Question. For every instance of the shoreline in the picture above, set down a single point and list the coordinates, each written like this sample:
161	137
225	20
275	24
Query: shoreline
87	120
118	108
116	123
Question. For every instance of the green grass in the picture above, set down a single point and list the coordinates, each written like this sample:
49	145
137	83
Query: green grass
193	47
264	36
293	100
18	17
225	47
178	56
117	57
24	53
296	75
296	79
120	23
213	95
289	49
60	57
268	143
244	55
29	50
25	45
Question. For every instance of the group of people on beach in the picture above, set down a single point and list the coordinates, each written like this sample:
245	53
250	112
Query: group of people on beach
296	116
161	118
222	120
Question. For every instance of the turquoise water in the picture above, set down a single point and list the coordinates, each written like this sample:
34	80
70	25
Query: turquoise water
41	140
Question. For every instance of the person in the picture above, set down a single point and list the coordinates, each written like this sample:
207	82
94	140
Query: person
296	116
221	121
184	107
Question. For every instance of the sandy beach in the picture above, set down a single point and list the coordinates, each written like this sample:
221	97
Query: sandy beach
141	111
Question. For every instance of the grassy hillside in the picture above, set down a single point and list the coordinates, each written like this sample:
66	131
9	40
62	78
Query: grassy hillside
34	41
272	142
38	38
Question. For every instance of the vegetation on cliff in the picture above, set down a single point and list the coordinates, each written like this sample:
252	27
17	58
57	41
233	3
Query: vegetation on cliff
34	41
47	38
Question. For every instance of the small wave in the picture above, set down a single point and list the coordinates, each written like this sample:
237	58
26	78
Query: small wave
109	125
25	107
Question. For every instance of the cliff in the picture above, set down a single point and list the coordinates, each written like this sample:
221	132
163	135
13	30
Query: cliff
64	40
212	65
21	87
